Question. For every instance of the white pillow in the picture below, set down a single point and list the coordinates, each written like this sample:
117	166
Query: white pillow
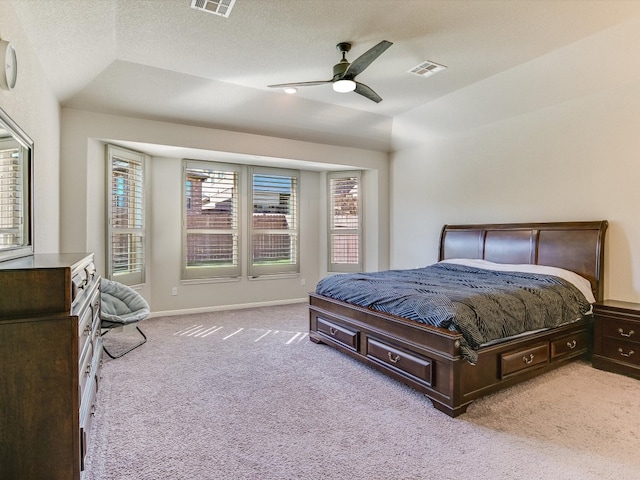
578	281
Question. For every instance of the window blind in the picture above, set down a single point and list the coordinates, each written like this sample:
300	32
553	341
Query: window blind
11	197
345	224
274	221
126	216
210	218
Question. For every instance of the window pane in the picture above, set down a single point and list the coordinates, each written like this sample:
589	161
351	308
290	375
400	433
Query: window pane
126	216
211	221
128	253
344	202
345	235
274	223
126	199
344	249
273	194
212	249
273	249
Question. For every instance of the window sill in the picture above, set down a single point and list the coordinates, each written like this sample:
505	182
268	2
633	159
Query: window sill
197	281
275	276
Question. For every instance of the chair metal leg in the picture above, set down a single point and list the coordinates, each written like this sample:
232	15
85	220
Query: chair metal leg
126	351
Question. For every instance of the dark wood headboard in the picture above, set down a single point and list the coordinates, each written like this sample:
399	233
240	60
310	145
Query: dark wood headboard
574	246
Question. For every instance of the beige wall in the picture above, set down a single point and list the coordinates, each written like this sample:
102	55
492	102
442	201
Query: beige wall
556	139
83	205
32	105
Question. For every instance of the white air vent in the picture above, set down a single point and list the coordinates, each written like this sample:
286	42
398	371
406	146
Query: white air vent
427	68
217	7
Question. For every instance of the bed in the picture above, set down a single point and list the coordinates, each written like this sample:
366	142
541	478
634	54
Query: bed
441	361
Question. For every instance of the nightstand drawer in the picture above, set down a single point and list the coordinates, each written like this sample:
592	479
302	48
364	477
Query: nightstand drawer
621	330
621	351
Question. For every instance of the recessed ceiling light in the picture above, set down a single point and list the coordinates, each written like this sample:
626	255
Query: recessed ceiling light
290	90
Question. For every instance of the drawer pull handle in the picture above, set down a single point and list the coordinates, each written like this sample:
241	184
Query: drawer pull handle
528	359
571	345
631	352
622	334
333	331
393	359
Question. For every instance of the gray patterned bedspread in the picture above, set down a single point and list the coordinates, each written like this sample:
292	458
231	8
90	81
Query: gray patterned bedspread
483	305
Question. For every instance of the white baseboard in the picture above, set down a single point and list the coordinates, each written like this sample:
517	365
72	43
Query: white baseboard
186	311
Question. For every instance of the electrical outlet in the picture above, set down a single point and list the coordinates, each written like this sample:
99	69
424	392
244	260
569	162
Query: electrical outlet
174	291
303	281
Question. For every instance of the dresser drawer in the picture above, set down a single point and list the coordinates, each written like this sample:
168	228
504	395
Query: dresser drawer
91	272
621	351
84	369
409	364
86	324
621	330
338	333
87	412
91	358
523	360
85	329
569	344
79	283
95	302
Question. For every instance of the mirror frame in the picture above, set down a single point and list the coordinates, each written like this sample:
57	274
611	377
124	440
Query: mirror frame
19	135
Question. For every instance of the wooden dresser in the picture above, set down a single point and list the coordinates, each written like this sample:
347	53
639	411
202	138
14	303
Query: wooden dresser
50	355
616	337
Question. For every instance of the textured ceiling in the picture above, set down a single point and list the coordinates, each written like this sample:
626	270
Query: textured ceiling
161	59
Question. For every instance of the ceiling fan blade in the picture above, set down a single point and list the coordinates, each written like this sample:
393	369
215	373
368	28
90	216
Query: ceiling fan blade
367	92
364	60
300	84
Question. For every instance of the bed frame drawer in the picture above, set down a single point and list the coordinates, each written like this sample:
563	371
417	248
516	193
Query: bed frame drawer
525	359
573	344
338	333
409	364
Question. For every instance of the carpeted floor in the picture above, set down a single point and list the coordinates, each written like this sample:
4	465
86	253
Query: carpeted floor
244	394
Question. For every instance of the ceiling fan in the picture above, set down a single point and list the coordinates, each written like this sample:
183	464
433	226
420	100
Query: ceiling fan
344	73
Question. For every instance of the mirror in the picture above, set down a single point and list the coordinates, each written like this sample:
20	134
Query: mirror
16	190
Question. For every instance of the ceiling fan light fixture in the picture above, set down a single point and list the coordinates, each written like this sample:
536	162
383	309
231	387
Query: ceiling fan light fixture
344	86
290	90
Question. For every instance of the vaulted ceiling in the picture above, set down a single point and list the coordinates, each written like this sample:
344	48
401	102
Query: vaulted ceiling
162	60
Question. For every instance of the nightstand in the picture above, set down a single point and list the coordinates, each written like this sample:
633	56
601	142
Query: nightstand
616	337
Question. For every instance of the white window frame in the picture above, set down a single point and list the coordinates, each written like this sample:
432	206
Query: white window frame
212	271
333	229
293	221
135	267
